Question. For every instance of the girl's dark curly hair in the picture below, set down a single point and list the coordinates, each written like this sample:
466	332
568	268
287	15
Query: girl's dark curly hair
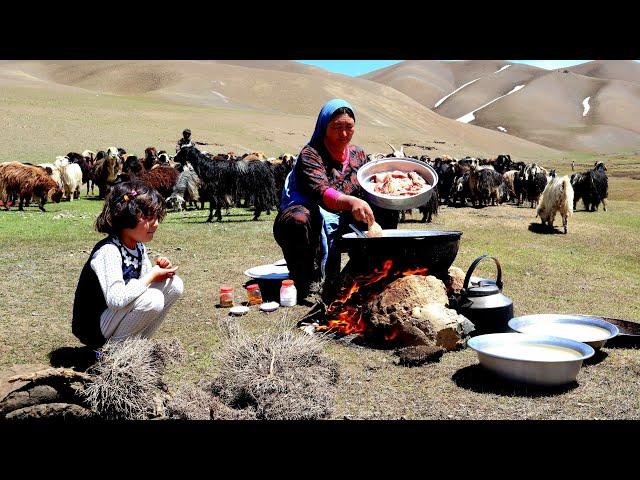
126	203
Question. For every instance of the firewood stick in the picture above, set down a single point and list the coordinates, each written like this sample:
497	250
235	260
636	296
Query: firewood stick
52	373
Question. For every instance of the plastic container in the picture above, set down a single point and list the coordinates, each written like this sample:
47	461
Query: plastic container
226	296
288	294
253	294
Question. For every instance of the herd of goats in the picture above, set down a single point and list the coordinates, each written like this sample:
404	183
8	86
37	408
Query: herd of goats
253	180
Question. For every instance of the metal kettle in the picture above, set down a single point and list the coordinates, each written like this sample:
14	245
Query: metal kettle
485	305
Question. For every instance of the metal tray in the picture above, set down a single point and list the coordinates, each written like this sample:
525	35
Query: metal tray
552	320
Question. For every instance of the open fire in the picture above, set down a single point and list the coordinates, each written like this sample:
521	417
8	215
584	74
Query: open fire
345	315
394	292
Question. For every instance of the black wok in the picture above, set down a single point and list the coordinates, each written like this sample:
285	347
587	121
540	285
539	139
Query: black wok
434	249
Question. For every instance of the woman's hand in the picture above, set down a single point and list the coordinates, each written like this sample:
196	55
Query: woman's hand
163	262
361	211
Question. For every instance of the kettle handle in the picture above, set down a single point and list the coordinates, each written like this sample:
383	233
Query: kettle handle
475	264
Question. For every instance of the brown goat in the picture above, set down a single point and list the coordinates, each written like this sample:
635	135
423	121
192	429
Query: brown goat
161	179
27	181
150	157
104	174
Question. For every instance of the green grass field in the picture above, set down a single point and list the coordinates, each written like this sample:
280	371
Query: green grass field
595	269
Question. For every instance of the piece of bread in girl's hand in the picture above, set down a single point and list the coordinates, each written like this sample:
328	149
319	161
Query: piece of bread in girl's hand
375	230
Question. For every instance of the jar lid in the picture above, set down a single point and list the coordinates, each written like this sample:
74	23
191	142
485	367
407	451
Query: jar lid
226	288
252	287
287	283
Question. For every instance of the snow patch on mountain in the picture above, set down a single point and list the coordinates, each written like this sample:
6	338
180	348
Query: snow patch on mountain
469	117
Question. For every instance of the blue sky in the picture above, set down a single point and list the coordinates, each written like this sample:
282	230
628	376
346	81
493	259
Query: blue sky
360	67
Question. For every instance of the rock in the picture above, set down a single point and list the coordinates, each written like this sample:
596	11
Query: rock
57	411
444	326
27	397
6	387
400	297
418	355
456	280
412	311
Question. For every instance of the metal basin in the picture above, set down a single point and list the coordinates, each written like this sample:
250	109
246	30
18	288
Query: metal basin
533	359
581	328
404	165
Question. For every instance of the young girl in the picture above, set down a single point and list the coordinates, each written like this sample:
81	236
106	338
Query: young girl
120	294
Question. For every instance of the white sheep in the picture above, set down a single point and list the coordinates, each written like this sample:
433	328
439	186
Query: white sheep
556	197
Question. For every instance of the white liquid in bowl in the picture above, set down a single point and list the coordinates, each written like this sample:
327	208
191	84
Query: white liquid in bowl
532	351
573	331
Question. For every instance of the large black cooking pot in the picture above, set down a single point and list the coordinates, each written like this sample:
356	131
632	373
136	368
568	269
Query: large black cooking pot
434	249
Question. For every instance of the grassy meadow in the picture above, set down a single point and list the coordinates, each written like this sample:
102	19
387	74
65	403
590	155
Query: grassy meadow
594	269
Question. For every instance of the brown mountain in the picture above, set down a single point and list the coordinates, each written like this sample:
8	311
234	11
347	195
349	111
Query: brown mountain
626	70
59	106
548	106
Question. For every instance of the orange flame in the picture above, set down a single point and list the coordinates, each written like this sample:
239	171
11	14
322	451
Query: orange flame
345	314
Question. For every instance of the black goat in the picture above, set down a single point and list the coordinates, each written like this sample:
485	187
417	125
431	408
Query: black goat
503	163
536	182
257	186
484	185
592	187
215	176
446	176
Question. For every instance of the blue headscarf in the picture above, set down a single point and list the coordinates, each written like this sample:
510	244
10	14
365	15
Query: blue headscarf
325	115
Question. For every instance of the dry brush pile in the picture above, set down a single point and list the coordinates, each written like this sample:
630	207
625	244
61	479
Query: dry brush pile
280	374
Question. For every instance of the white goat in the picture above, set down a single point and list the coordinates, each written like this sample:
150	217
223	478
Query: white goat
397	153
71	175
556	197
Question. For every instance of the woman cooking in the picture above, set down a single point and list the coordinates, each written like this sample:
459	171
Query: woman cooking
321	197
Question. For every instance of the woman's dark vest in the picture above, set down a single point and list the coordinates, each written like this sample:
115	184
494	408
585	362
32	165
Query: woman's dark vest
89	302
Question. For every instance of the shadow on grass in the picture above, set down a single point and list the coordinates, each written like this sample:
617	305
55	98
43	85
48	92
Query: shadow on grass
544	229
624	341
412	220
480	380
78	358
228	220
598	357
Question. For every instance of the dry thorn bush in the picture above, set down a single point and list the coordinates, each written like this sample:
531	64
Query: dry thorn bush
128	377
282	373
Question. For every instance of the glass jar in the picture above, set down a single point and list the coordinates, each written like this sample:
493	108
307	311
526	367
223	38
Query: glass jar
226	296
288	294
253	294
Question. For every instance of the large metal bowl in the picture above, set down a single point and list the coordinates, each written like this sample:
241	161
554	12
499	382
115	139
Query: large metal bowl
560	325
508	355
404	165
